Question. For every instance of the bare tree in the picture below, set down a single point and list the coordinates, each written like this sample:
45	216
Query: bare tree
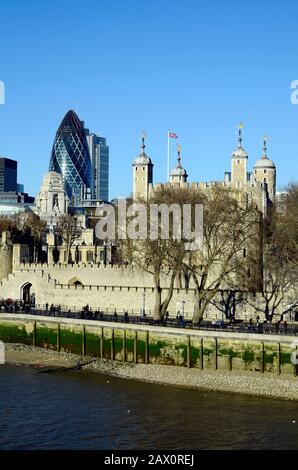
227	302
280	256
160	257
231	234
70	231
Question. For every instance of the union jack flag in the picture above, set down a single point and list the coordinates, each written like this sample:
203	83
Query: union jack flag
172	135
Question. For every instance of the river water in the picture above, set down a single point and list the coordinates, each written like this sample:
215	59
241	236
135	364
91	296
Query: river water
81	410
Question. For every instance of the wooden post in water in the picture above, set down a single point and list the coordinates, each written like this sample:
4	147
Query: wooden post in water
215	353
124	346
263	357
278	360
202	353
135	349
34	334
230	359
188	359
296	365
101	343
58	337
147	347
112	344
83	341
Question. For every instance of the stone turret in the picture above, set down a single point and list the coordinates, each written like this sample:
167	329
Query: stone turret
178	175
239	163
142	173
265	172
5	255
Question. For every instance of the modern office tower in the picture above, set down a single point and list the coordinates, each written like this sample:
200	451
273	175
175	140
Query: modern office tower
99	153
8	175
71	158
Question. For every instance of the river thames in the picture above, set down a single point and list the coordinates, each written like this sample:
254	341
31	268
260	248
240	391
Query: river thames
82	410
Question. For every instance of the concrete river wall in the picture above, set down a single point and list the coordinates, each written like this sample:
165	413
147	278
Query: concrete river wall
155	345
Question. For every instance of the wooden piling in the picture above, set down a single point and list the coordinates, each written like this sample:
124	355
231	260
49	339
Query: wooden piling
135	349
112	345
83	341
202	353
58	337
34	334
188	359
147	348
101	343
215	354
124	346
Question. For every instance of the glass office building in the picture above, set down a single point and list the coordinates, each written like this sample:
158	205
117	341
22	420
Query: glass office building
99	153
71	158
8	175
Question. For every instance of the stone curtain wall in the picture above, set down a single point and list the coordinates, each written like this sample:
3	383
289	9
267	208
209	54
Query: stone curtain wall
158	345
104	288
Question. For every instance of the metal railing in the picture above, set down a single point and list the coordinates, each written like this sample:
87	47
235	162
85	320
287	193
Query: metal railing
128	317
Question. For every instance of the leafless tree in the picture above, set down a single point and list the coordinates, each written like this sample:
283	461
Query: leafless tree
231	237
70	231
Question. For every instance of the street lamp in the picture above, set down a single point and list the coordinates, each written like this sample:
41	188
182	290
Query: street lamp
144	304
183	303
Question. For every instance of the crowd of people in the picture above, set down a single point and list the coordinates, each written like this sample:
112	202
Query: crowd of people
20	306
15	306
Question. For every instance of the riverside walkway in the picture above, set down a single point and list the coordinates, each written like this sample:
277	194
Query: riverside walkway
277	328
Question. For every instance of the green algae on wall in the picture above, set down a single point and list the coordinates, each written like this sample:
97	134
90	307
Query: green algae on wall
222	353
71	339
16	332
46	336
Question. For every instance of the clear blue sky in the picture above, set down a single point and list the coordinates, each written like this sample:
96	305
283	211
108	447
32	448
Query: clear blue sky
193	67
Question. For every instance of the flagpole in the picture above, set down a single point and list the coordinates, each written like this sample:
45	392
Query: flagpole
168	160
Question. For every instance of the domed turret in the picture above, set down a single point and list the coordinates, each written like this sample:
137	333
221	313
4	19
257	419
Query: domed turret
265	171
178	174
142	173
239	162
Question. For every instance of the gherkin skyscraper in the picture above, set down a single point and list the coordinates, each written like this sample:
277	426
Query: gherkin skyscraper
71	158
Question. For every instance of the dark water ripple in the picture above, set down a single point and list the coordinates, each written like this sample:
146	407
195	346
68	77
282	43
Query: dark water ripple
76	410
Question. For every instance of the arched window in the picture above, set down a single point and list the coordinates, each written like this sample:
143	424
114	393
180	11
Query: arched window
74	282
90	256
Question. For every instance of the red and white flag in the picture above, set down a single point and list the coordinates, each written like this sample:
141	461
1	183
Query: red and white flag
172	135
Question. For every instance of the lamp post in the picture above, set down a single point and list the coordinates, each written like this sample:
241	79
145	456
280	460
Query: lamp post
105	252
183	304
144	304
